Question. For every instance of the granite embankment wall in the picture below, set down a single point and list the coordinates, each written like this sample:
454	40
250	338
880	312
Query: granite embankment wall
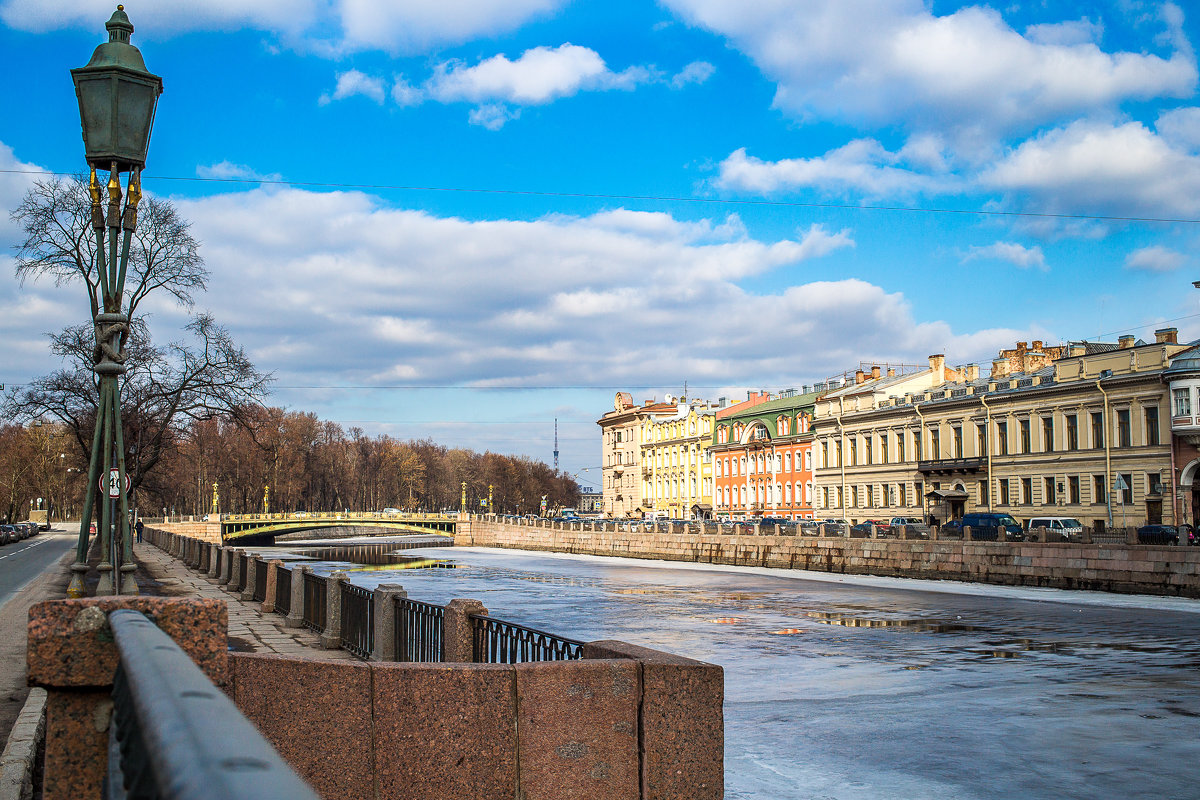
1130	569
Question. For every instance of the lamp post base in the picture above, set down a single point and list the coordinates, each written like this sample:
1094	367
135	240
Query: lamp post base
104	587
75	588
128	584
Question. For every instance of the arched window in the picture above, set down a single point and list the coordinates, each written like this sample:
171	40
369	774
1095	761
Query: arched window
787	494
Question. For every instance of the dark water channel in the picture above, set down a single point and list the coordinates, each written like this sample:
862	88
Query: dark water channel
875	688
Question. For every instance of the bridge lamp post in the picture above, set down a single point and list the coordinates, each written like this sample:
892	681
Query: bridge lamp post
117	98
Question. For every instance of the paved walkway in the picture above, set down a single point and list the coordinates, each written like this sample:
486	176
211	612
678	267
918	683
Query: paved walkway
250	630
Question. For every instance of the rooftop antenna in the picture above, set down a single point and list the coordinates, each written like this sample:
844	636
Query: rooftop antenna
556	444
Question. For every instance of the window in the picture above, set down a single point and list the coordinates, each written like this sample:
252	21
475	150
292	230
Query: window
1124	438
1002	438
1027	491
1048	434
853	452
883	449
1152	425
1182	401
1073	489
935	444
983	493
981	440
900	447
808	460
867	450
1099	490
1098	430
1004	500
1072	431
956	432
787	461
1153	483
1025	439
901	499
854	497
1048	494
869	496
825	454
917	448
1127	492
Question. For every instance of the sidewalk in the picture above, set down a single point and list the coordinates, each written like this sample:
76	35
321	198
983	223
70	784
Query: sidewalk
250	630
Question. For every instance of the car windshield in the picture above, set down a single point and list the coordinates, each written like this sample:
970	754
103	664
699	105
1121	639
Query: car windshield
1006	519
1072	523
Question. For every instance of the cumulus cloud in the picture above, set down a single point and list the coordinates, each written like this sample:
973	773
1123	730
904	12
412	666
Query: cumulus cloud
352	83
412	26
1012	252
227	170
695	72
863	165
1155	258
968	73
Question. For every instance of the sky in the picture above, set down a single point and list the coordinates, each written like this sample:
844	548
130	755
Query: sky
464	219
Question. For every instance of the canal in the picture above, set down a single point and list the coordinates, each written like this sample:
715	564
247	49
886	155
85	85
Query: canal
857	688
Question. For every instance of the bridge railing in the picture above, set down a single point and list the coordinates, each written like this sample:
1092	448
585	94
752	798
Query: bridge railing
322	516
315	602
495	641
419	630
174	734
358	620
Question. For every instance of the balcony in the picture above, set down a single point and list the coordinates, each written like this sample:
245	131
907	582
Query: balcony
950	466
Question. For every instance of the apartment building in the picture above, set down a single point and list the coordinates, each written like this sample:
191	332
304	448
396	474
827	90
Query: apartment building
676	467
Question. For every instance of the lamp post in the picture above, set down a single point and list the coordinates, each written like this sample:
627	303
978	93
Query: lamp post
117	97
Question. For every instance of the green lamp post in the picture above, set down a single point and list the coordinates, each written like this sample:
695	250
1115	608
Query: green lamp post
117	97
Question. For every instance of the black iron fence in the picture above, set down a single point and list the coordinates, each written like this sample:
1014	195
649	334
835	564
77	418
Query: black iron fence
283	590
243	564
358	620
260	580
315	597
495	641
165	712
418	630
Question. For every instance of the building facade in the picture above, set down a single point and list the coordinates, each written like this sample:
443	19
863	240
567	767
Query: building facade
620	435
676	467
1079	432
762	459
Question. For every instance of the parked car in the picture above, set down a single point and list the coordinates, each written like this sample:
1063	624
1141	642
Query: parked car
951	529
1069	528
981	522
8	534
1157	534
916	527
863	529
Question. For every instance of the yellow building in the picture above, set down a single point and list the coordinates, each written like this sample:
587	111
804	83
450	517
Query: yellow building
676	466
621	439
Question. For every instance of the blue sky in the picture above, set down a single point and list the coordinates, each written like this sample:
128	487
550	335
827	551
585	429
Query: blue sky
431	217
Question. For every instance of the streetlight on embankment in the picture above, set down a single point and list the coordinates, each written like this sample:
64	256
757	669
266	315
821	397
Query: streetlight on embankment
117	98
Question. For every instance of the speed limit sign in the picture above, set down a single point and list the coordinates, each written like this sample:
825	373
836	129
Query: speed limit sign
112	484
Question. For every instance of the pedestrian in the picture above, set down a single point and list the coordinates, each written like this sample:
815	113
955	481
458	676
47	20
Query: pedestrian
140	525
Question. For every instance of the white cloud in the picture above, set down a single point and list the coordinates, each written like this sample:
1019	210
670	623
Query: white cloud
162	17
1180	127
863	165
1155	258
695	72
492	116
1100	168
1071	32
227	170
1012	252
967	73
404	94
415	26
351	83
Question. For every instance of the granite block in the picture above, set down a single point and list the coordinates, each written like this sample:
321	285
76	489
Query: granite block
317	714
682	722
463	746
577	726
71	645
76	744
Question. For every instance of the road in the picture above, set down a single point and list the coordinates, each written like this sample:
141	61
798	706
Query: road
872	688
21	562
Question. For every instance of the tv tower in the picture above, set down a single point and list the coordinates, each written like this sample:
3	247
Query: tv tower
556	444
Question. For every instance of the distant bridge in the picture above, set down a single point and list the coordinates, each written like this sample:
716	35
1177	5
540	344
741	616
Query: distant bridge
264	528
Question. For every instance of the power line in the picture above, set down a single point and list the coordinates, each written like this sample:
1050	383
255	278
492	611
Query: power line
641	197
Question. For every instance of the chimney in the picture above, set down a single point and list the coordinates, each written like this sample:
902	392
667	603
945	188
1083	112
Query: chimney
1022	347
999	367
875	371
891	372
1167	336
972	372
937	364
1037	344
1125	342
859	376
1077	350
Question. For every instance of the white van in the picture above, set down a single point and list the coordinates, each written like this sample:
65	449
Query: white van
1070	528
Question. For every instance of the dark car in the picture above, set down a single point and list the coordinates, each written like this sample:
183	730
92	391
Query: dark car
863	529
9	533
1157	534
987	526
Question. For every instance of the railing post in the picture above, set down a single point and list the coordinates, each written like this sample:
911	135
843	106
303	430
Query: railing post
295	617
331	638
268	606
251	578
235	571
968	534
226	566
458	643
214	561
384	598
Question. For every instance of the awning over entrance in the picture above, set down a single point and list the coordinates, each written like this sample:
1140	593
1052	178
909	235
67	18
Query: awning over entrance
947	494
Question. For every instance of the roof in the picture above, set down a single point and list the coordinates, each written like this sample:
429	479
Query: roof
778	404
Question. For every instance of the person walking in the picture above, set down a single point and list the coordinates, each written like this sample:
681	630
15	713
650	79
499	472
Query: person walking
140	525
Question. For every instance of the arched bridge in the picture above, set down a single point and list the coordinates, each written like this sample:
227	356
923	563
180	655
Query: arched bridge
263	528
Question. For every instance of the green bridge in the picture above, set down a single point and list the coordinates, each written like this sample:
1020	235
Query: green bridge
264	528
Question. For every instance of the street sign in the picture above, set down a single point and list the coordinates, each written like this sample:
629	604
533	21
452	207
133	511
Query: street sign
1119	485
112	484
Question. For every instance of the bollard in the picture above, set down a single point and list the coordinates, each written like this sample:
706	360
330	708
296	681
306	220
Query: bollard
295	617
250	578
458	644
226	566
214	562
235	571
384	598
273	566
331	638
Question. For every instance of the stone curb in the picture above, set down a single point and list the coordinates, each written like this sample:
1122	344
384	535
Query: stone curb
16	765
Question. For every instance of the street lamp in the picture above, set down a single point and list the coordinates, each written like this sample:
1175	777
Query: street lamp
117	97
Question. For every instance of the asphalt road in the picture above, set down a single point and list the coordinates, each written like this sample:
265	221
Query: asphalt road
21	562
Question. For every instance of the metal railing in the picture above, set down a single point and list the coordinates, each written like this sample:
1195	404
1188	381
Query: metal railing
165	715
418	631
283	590
315	596
358	620
260	581
495	641
243	564
339	515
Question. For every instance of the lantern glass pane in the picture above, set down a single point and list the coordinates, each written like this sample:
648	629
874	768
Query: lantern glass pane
135	113
95	110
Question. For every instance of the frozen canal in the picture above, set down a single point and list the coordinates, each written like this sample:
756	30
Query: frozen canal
874	688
